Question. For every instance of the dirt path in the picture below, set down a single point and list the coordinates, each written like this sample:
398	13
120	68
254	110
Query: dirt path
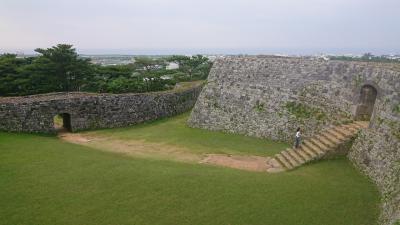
252	163
138	148
142	148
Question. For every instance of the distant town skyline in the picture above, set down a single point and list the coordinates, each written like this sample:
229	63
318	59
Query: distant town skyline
290	52
207	27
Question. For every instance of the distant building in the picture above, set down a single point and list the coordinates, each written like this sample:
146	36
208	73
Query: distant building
172	66
166	77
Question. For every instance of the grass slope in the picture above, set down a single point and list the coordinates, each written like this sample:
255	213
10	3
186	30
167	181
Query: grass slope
174	131
46	181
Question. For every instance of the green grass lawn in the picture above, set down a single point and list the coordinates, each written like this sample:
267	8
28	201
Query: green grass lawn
46	181
174	131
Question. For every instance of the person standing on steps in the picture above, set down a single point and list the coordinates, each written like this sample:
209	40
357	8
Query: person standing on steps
298	135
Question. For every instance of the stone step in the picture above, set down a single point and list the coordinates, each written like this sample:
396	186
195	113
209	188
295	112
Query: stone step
283	161
325	141
347	134
356	125
331	138
317	145
295	155
337	135
274	163
343	131
289	158
350	128
351	131
276	166
312	154
363	124
306	157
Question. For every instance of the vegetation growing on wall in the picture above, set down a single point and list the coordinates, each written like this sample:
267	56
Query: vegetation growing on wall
61	69
300	110
259	107
396	109
357	80
311	89
394	126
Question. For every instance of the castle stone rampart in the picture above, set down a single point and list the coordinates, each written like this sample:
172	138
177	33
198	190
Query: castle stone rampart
91	111
270	97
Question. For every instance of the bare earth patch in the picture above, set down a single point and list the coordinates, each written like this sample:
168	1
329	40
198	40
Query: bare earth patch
141	148
73	138
138	148
252	163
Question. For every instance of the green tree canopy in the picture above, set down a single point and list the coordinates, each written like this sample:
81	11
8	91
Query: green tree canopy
196	64
69	70
60	68
147	64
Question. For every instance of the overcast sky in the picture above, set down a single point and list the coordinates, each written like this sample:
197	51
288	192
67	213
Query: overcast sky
202	26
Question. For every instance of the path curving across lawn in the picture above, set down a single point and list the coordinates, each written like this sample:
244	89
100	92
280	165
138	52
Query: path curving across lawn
172	139
175	132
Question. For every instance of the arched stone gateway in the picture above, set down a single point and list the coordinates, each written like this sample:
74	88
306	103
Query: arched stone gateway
267	96
366	103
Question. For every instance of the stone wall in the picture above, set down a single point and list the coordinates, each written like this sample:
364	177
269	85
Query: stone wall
270	97
376	152
91	111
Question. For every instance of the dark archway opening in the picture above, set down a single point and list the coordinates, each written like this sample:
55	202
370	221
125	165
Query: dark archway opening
62	122
366	102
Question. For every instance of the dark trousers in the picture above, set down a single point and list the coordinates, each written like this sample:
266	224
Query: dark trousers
297	143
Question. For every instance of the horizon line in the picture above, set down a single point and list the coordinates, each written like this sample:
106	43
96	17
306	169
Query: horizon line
216	51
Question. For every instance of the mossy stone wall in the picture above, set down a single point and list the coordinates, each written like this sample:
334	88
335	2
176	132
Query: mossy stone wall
266	96
92	111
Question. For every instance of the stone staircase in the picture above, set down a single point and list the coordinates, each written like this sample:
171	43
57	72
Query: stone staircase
318	146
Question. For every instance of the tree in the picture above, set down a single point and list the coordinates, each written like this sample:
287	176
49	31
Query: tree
147	64
196	64
10	79
62	60
59	68
367	56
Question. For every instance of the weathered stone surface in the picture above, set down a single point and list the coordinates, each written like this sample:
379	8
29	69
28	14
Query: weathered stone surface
270	97
90	111
376	151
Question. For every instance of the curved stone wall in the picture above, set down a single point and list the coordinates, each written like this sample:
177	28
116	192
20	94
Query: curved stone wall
271	96
91	111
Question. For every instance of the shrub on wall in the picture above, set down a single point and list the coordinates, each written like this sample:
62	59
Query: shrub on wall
300	110
259	107
396	109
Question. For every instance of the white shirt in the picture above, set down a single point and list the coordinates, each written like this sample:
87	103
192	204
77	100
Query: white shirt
298	134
